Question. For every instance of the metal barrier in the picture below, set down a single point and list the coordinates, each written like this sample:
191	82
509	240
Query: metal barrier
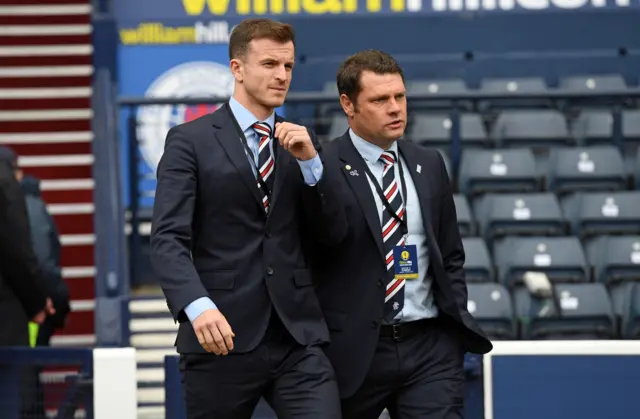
89	383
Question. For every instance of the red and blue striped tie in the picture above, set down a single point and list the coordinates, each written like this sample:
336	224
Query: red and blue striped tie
266	163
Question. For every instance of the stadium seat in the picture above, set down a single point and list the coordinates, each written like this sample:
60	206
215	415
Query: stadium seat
491	305
631	317
535	128
599	213
637	170
614	259
593	127
536	214
585	169
517	85
339	125
466	223
435	87
609	82
503	170
562	259
577	311
477	265
631	125
435	130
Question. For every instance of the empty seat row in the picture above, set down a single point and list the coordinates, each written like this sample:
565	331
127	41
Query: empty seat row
543	214
565	169
606	259
575	311
594	83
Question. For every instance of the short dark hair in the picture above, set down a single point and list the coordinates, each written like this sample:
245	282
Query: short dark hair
350	72
260	28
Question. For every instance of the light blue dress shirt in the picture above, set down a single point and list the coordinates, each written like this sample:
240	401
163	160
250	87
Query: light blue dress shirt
418	295
311	172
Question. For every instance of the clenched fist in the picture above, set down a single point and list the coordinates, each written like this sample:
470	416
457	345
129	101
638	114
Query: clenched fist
296	140
213	332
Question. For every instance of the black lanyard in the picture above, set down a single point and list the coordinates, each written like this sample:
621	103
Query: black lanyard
263	184
385	202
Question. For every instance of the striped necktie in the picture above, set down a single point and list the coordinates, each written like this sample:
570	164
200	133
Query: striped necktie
392	235
266	163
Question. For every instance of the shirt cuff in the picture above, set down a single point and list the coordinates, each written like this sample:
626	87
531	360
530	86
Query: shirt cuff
198	307
311	170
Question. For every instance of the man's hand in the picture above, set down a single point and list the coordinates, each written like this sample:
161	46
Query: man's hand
296	140
213	332
42	315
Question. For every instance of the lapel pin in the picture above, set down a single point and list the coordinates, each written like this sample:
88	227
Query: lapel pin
354	173
419	169
347	167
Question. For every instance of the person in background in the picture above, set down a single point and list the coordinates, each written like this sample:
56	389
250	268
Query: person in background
45	243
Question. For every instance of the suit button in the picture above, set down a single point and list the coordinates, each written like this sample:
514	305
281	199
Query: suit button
374	324
269	271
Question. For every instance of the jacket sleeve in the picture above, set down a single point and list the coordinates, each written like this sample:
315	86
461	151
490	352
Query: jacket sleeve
324	213
19	264
171	231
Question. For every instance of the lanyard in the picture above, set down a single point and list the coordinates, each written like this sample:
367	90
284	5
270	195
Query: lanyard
261	181
385	202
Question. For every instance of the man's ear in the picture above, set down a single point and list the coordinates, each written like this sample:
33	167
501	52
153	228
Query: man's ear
237	66
347	105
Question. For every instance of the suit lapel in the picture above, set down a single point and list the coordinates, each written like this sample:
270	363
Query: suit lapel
283	158
227	136
353	169
421	184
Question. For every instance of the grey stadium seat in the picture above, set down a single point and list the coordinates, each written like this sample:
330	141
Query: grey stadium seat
477	265
435	87
614	259
577	311
631	316
466	223
502	170
522	128
631	125
519	214
585	169
339	125
435	130
516	85
598	213
608	82
593	127
562	259
490	304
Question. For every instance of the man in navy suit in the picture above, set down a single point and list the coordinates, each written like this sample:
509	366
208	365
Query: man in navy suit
236	188
393	291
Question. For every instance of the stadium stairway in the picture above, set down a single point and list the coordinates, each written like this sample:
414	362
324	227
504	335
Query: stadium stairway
153	334
45	116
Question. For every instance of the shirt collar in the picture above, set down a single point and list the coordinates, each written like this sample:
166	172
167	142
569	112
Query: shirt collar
246	119
369	151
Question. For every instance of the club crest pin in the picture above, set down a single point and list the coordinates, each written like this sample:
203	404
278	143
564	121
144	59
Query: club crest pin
351	172
347	167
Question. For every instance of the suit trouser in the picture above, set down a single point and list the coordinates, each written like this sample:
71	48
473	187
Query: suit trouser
420	376
296	381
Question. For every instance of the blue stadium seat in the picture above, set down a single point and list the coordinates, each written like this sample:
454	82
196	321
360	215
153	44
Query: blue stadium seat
435	130
562	259
631	316
608	82
491	305
536	214
502	170
577	311
585	169
515	85
599	213
477	265
466	223
536	128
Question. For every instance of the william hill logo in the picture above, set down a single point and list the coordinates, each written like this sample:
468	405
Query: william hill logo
295	7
